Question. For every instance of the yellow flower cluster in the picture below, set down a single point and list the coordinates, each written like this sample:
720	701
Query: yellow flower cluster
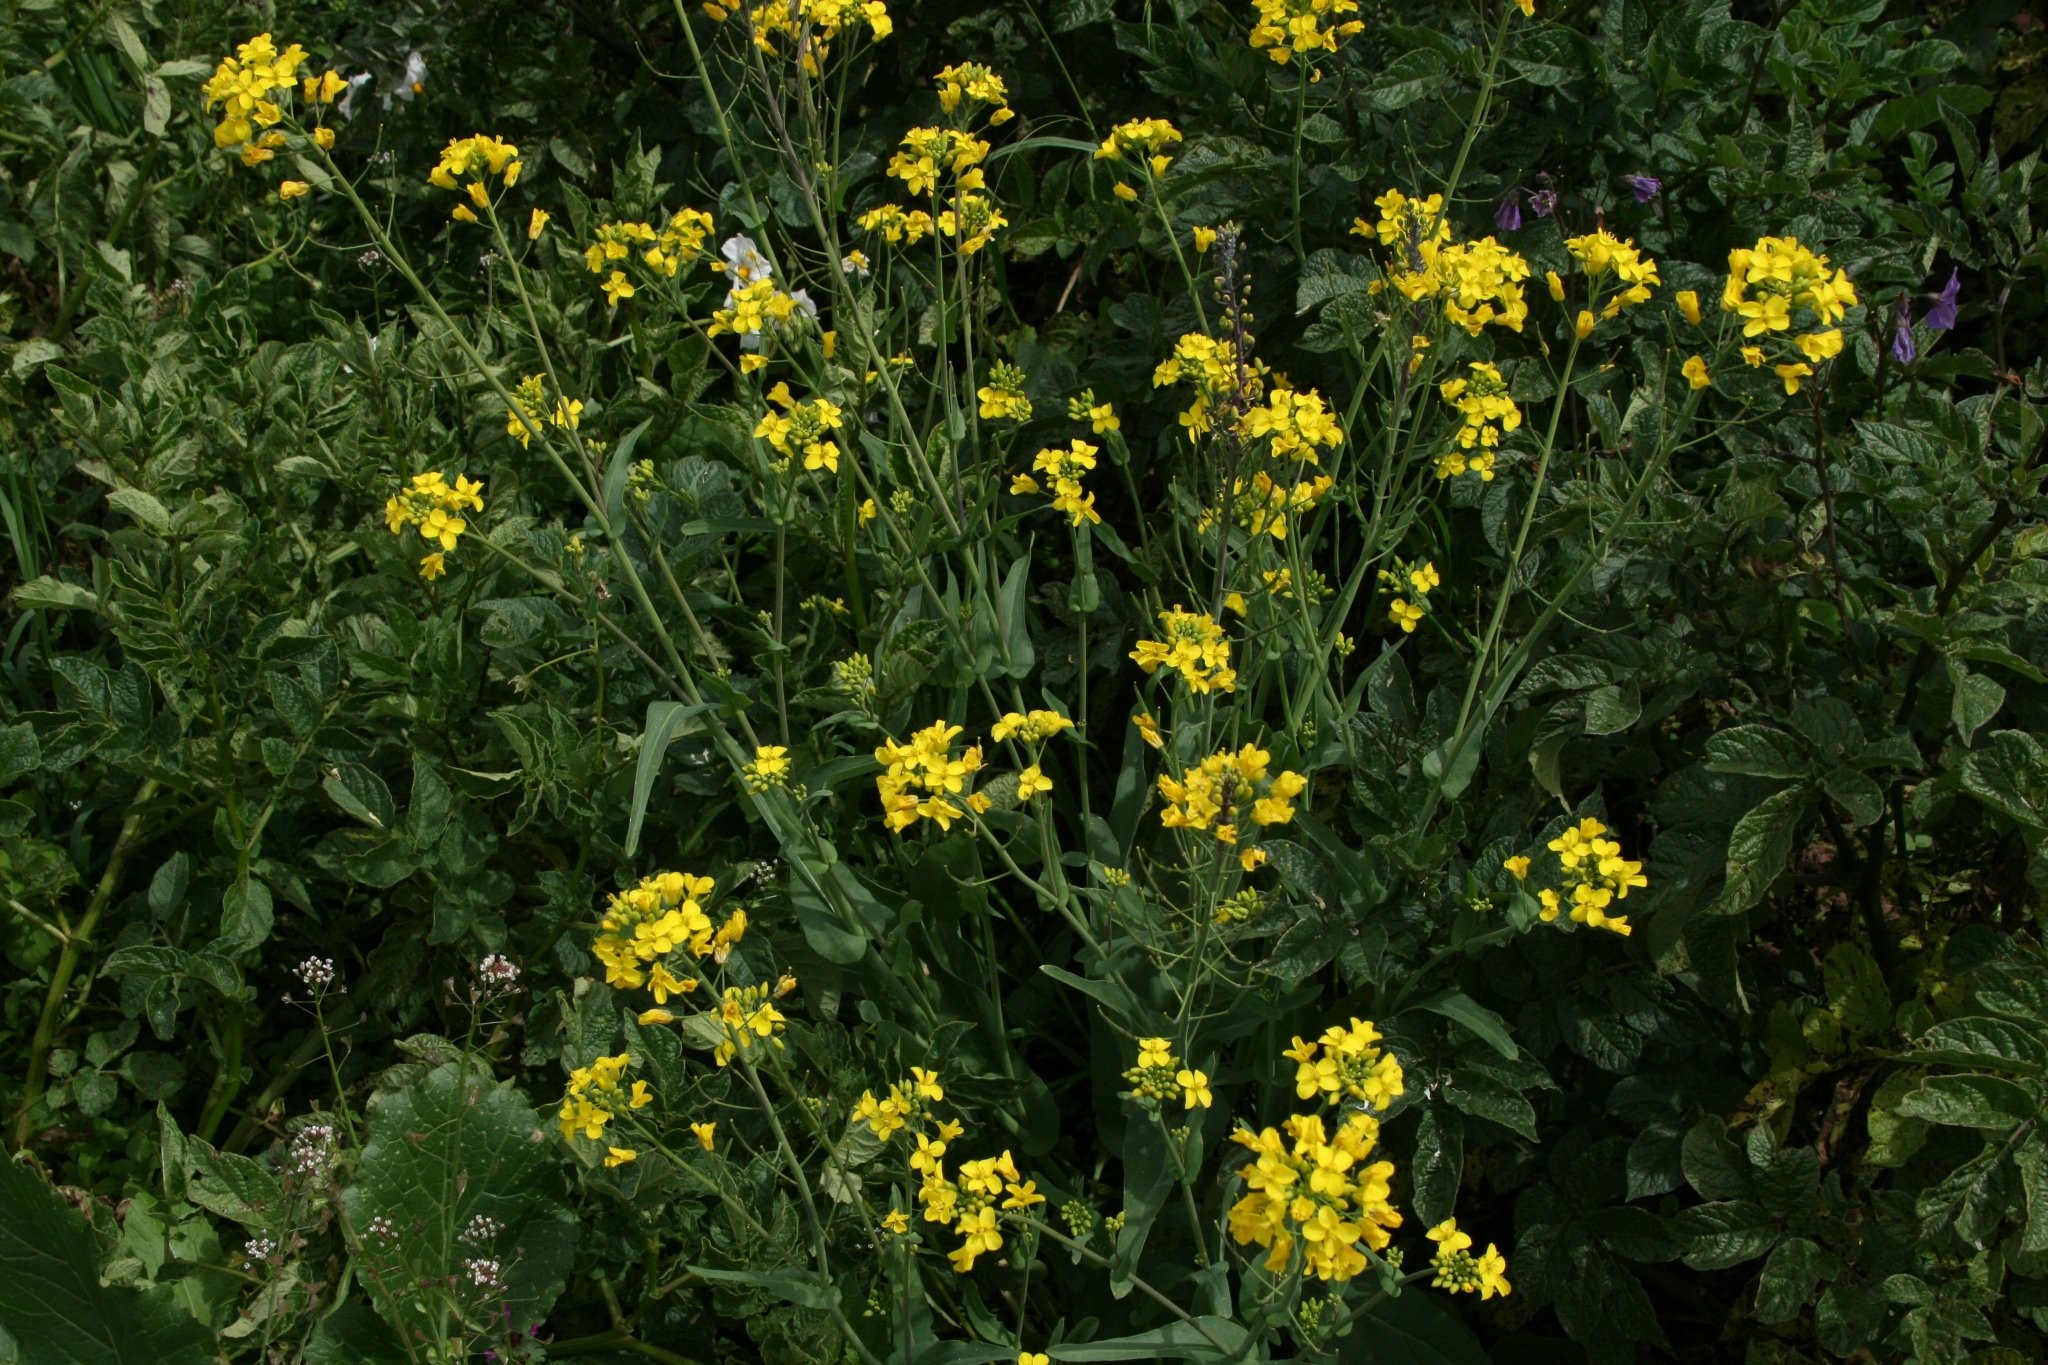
529	401
905	1106
431	504
1767	282
801	428
1482	400
1263	505
1287	27
804	27
1459	1271
1003	398
1410	581
968	87
1478	283
1292	425
1225	788
1211	365
970	1203
1319	1188
1064	469
468	164
1034	728
243	86
767	770
1601	254
748	1013
677	244
929	153
1346	1066
897	225
1595	877
750	309
1145	141
1159	1079
595	1098
920	775
646	923
1100	417
1195	647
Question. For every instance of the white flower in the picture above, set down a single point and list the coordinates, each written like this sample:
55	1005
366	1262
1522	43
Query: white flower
744	262
854	262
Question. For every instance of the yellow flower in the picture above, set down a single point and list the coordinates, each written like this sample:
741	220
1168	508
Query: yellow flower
1031	782
1819	346
868	511
1695	370
433	566
1148	729
1194	1087
1205	237
618	287
654	1016
462	213
1792	374
1405	614
706	1133
620	1156
1527	7
1583	327
323	138
1753	356
769	769
1195	647
1689	306
292	189
1556	286
1033	1358
1124	192
896	1221
1518	867
536	223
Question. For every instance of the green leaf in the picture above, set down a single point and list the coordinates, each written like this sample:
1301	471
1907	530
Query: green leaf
1716	1236
361	793
1985	1042
800	1287
1481	1022
1202	1338
1414	1329
1975	700
1148	1179
1438	1166
1482	1098
142	509
1856	989
53	1308
1758	847
1712	1163
2009	773
1971	1101
1788	1280
20	751
451	1147
664	720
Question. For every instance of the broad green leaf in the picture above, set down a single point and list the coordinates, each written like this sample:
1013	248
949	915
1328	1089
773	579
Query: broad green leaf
1758	847
1788	1280
1201	1339
664	720
1971	1101
54	1309
1480	1021
1148	1180
800	1287
361	793
1982	1041
1716	1236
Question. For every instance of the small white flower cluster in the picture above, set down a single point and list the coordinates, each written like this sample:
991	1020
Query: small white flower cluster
484	1274
498	971
482	1229
380	1230
258	1252
317	972
312	1152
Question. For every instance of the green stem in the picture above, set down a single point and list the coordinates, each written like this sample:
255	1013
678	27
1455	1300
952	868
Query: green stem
68	959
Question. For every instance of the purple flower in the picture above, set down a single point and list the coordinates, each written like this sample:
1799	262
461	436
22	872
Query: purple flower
1942	316
1543	203
1645	187
1903	350
1508	217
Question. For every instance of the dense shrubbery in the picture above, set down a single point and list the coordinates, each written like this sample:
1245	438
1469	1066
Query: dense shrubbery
1268	680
